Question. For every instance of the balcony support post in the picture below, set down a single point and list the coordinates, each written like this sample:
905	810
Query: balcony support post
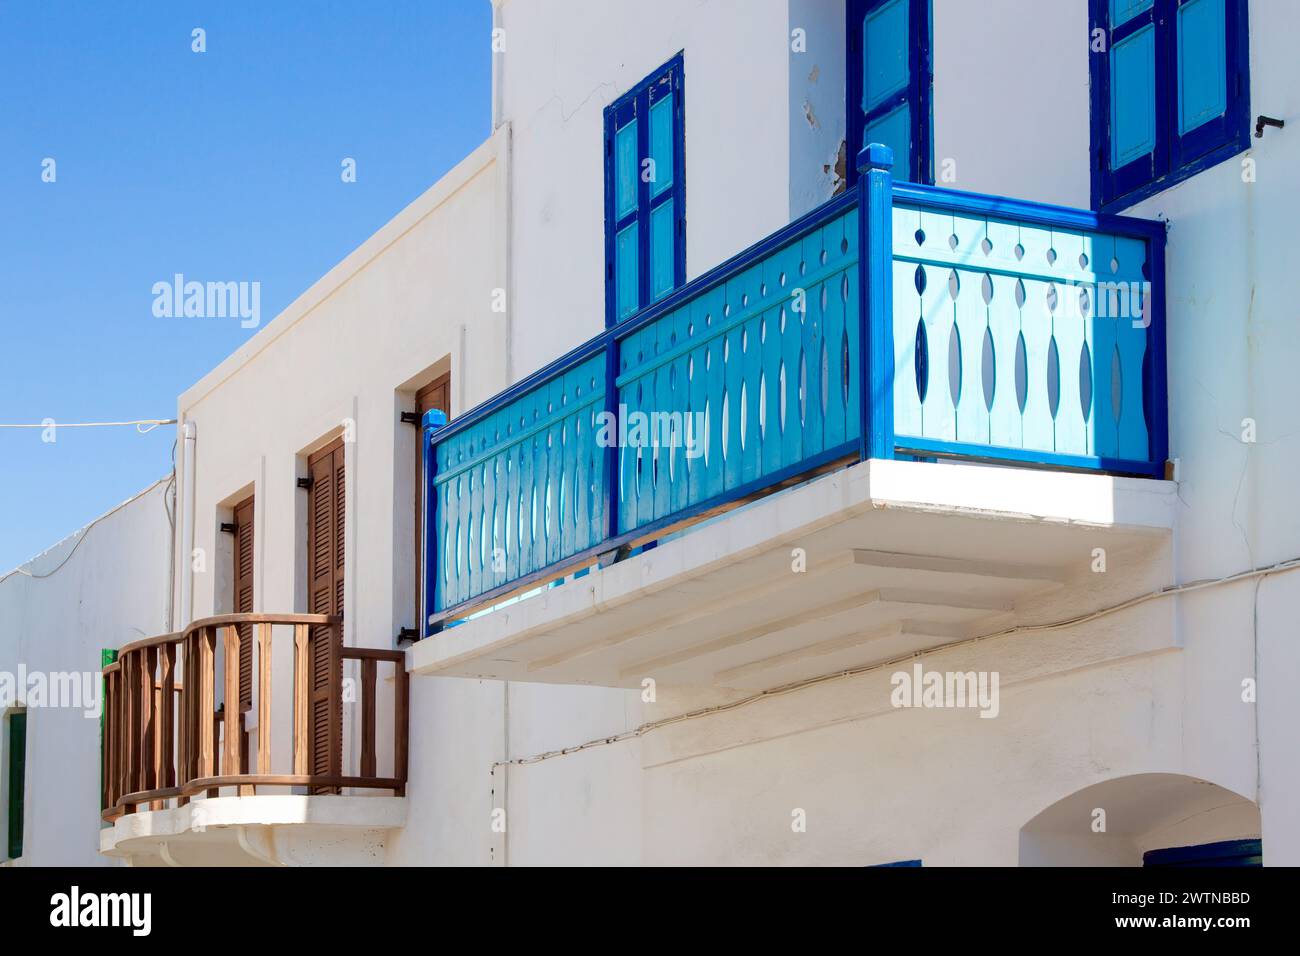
875	300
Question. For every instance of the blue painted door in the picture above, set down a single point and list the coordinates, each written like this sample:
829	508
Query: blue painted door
889	83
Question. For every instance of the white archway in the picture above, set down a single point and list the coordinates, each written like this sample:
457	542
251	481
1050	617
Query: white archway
1114	822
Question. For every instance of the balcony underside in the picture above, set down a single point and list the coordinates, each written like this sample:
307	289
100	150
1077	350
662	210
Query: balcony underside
272	830
900	557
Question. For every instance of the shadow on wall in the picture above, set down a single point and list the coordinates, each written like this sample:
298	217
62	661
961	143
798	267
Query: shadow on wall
1114	823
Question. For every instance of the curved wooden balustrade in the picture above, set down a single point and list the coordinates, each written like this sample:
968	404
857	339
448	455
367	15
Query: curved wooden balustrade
179	722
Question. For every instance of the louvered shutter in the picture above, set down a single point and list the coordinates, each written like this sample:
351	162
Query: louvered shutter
243	603
325	548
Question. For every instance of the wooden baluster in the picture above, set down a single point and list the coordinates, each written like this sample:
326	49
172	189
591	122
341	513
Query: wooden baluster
206	716
231	762
123	730
185	748
167	717
301	690
401	717
147	658
368	680
264	698
131	783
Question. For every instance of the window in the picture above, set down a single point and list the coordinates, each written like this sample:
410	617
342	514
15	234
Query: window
1227	853
890	81
645	194
15	770
1170	93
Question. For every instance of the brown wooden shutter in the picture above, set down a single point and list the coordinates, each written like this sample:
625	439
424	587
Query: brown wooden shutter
243	603
437	394
325	549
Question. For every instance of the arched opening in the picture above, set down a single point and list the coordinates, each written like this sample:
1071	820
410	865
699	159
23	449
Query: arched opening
1116	822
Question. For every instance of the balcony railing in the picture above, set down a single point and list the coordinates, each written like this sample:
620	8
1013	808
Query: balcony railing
894	321
180	711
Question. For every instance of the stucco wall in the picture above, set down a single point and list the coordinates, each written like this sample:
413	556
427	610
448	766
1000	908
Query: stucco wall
99	588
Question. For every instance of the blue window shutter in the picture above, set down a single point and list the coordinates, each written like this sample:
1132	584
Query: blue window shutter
1122	11
627	270
1202	63
645	199
894	130
885	66
625	160
1133	98
662	144
663	258
1170	93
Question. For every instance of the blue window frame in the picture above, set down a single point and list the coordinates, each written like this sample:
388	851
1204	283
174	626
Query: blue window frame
1170	91
645	193
1227	853
890	83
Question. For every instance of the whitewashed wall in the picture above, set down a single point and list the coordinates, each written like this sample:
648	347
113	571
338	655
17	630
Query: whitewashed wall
1156	691
99	588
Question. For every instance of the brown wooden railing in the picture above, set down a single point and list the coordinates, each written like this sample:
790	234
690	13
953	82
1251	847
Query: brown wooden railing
167	740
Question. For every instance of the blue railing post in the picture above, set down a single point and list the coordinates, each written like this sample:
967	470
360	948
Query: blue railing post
1158	387
433	420
875	299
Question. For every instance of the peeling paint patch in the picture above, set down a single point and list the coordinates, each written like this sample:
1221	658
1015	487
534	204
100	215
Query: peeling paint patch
838	171
815	74
810	115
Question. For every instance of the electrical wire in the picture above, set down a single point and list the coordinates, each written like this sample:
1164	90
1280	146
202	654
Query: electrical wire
81	536
1258	574
143	425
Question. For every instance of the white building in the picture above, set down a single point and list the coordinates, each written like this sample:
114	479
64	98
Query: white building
1081	515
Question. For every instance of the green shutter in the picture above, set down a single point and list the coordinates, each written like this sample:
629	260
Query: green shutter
17	781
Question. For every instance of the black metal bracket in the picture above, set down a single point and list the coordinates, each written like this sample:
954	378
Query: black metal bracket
411	418
408	634
305	483
229	528
1263	121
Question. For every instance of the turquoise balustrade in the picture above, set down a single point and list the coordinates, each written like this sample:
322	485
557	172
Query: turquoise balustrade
1022	340
520	490
895	321
753	378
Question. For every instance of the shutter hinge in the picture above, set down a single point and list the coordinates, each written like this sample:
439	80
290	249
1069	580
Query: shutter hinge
305	483
410	418
407	634
229	528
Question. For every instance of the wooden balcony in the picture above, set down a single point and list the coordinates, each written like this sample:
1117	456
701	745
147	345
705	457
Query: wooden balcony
206	712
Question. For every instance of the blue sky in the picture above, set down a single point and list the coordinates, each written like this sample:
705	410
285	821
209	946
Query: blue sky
224	166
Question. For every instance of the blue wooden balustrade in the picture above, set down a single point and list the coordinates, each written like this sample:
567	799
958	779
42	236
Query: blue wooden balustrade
988	329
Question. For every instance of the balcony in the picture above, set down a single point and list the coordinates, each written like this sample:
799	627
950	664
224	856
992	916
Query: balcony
210	748
943	400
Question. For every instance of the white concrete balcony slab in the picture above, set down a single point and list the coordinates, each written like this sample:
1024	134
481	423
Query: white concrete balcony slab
271	830
899	557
